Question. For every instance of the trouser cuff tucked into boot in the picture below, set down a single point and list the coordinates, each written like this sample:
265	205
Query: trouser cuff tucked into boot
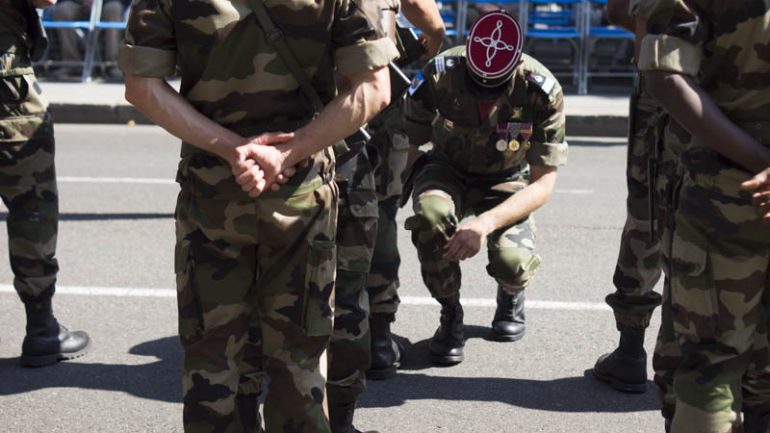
48	342
508	323
625	369
386	352
446	347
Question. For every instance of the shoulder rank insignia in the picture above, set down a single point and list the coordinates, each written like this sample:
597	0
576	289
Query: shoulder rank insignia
545	83
416	83
439	65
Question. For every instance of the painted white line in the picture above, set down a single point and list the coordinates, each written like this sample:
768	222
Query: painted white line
140	180
575	191
128	292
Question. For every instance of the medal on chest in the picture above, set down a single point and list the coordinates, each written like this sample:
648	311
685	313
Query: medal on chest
512	136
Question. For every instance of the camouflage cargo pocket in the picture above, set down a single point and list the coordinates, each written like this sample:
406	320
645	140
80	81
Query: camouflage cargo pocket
319	284
694	299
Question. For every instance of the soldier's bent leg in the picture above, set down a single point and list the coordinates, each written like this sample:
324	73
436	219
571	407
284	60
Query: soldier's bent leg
382	287
431	227
512	262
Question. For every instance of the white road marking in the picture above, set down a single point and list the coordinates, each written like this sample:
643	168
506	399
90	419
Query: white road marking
139	180
128	292
574	191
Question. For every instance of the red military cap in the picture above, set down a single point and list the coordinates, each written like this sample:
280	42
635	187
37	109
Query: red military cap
493	48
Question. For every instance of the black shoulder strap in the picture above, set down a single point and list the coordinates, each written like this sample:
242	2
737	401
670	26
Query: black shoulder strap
276	38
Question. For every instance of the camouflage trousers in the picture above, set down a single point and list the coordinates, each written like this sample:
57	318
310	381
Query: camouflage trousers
719	300
28	186
442	197
272	260
638	268
382	283
349	350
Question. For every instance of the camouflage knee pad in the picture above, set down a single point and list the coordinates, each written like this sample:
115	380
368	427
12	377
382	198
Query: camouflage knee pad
513	268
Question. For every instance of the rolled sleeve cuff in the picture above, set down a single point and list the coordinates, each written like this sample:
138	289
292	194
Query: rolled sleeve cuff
146	61
669	54
548	154
365	56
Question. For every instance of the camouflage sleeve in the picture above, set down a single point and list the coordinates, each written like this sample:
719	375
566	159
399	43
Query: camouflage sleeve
149	49
548	146
673	40
356	44
419	112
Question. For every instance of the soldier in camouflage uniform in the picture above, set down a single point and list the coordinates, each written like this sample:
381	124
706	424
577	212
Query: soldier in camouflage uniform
704	62
496	121
391	145
650	178
28	187
244	248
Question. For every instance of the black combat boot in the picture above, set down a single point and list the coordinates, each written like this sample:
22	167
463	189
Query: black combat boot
386	354
446	347
48	342
341	419
508	324
755	423
625	369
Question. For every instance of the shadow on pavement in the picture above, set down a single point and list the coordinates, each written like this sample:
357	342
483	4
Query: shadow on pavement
569	394
159	380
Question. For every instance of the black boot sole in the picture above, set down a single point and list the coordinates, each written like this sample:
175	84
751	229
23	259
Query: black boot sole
617	385
34	361
446	359
508	338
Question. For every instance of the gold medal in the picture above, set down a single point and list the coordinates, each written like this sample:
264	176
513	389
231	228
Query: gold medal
500	145
513	145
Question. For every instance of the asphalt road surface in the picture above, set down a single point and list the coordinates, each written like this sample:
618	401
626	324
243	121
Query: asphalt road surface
116	281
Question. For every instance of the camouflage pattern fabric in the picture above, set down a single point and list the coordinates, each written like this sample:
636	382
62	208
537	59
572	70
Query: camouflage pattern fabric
271	260
483	145
442	197
720	252
274	258
639	260
27	170
392	147
349	349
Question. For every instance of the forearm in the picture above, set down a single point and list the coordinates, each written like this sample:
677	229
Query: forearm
424	14
169	110
368	94
686	101
617	14
523	203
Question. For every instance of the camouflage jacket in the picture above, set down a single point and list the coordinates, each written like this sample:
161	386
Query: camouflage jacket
725	46
231	74
478	134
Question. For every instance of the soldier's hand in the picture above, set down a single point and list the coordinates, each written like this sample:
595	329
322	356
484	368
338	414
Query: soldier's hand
467	240
258	164
760	197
